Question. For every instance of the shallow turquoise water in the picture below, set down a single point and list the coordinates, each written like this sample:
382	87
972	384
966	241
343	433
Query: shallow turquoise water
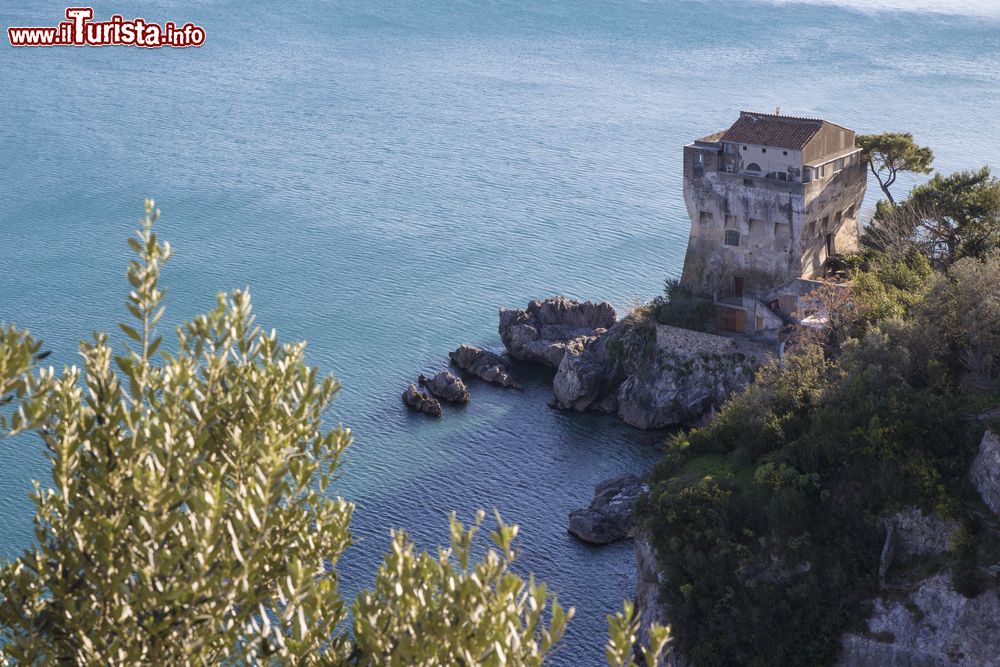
386	174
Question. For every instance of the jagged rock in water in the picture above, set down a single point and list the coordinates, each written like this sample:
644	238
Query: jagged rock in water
609	516
588	378
932	625
421	402
546	329
985	471
484	364
446	386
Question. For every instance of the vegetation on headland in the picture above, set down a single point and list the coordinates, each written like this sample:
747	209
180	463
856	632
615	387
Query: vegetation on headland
765	522
190	517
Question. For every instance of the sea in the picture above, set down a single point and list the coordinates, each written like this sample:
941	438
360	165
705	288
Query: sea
385	174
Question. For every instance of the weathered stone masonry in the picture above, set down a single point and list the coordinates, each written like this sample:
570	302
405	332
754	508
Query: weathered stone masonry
770	199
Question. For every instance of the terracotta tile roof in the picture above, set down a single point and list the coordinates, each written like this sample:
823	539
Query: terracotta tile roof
764	129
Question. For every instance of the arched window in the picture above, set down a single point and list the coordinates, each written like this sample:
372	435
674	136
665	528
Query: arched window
753	166
732	237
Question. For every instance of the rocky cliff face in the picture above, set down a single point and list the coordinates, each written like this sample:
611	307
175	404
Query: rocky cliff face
626	372
929	622
986	471
647	596
623	367
931	625
922	623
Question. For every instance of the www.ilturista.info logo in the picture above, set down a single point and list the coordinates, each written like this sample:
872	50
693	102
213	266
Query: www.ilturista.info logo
79	30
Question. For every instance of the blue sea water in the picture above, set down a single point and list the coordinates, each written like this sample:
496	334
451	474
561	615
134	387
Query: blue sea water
385	174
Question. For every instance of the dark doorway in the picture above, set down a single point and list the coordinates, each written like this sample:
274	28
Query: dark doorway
737	286
829	245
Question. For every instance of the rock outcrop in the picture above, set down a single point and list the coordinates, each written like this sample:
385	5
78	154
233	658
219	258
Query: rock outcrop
609	516
421	402
932	625
916	534
985	471
446	386
648	608
546	329
648	382
484	364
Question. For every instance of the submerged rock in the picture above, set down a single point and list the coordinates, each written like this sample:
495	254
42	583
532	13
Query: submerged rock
985	471
546	329
485	365
609	516
421	402
446	386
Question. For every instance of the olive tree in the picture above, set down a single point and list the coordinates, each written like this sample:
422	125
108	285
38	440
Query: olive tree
190	517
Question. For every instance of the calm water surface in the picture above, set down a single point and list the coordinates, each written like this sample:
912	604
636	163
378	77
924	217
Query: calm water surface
385	174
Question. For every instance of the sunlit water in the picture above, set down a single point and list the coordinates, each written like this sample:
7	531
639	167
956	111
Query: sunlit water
386	174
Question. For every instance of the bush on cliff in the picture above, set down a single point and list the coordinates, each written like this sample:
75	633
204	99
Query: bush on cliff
680	308
189	519
769	557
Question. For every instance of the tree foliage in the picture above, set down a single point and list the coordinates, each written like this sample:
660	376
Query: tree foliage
190	518
677	306
889	153
765	523
958	215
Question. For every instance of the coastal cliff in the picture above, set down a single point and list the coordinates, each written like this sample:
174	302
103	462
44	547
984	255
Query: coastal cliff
651	375
919	619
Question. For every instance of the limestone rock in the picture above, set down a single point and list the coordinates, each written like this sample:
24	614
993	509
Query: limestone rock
484	364
588	378
677	390
933	625
446	386
627	372
918	534
421	402
609	516
985	471
648	607
546	329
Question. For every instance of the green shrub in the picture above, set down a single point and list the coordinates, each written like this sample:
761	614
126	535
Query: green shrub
678	307
190	519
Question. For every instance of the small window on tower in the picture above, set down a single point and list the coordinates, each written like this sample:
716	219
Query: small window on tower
732	237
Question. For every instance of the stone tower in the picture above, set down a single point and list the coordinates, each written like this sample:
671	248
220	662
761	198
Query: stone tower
770	199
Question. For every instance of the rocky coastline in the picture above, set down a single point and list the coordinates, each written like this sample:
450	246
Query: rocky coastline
654	376
919	619
651	375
